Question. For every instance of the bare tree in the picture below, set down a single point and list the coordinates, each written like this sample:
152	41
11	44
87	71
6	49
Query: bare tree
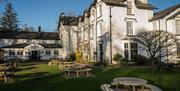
156	44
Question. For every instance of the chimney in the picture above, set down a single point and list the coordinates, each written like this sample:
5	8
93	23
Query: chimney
39	28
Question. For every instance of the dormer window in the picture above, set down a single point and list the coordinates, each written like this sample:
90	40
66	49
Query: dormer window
129	8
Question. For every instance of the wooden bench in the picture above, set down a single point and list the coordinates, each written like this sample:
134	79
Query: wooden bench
65	65
106	87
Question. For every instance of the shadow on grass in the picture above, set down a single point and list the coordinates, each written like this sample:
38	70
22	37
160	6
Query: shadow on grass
22	69
39	74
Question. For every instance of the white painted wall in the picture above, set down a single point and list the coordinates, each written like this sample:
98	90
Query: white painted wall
119	17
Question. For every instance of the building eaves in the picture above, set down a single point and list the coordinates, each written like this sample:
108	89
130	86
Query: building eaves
163	13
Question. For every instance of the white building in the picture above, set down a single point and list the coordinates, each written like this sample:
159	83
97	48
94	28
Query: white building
169	20
68	34
109	27
30	45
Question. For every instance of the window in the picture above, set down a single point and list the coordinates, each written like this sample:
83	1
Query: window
129	7
178	26
100	28
15	41
29	41
56	52
93	14
92	32
178	49
100	10
126	51
134	50
56	41
130	27
11	53
20	52
48	52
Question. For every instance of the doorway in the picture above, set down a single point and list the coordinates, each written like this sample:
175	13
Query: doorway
34	55
101	53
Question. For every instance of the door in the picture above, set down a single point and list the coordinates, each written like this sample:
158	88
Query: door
34	55
101	53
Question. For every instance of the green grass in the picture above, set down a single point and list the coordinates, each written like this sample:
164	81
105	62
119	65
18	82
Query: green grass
40	77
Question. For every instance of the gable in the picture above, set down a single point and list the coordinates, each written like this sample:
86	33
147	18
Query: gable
164	13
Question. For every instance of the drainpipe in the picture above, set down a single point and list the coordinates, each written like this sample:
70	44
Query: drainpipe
110	19
96	37
167	43
159	42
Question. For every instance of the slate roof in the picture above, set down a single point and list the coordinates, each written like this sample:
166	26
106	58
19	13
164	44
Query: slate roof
163	13
29	35
69	20
114	2
25	44
138	3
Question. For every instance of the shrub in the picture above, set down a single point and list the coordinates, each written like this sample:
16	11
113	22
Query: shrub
118	57
78	55
71	57
141	60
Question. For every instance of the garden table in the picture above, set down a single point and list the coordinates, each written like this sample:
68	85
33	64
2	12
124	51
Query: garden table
129	81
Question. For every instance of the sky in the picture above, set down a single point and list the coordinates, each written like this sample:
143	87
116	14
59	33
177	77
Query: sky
45	13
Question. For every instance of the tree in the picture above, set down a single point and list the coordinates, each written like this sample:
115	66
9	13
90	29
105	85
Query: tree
9	19
156	44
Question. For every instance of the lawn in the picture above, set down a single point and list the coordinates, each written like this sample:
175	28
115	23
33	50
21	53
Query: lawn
40	77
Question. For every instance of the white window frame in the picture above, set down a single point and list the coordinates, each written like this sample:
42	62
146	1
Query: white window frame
130	29
99	10
56	52
48	52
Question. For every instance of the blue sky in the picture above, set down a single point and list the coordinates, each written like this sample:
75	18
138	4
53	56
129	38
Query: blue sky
45	12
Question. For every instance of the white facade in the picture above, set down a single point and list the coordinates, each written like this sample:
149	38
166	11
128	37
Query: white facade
119	21
170	23
30	49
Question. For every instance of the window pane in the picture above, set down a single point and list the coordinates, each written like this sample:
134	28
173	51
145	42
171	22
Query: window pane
129	28
133	45
48	52
125	45
11	53
126	54
20	53
56	52
133	53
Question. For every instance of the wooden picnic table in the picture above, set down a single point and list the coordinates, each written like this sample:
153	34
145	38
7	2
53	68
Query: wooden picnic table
63	65
78	69
3	76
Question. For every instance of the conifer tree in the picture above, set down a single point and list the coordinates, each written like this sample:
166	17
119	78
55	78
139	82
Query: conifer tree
9	19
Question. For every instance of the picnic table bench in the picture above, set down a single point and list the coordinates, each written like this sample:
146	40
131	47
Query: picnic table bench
3	76
77	70
53	62
63	65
